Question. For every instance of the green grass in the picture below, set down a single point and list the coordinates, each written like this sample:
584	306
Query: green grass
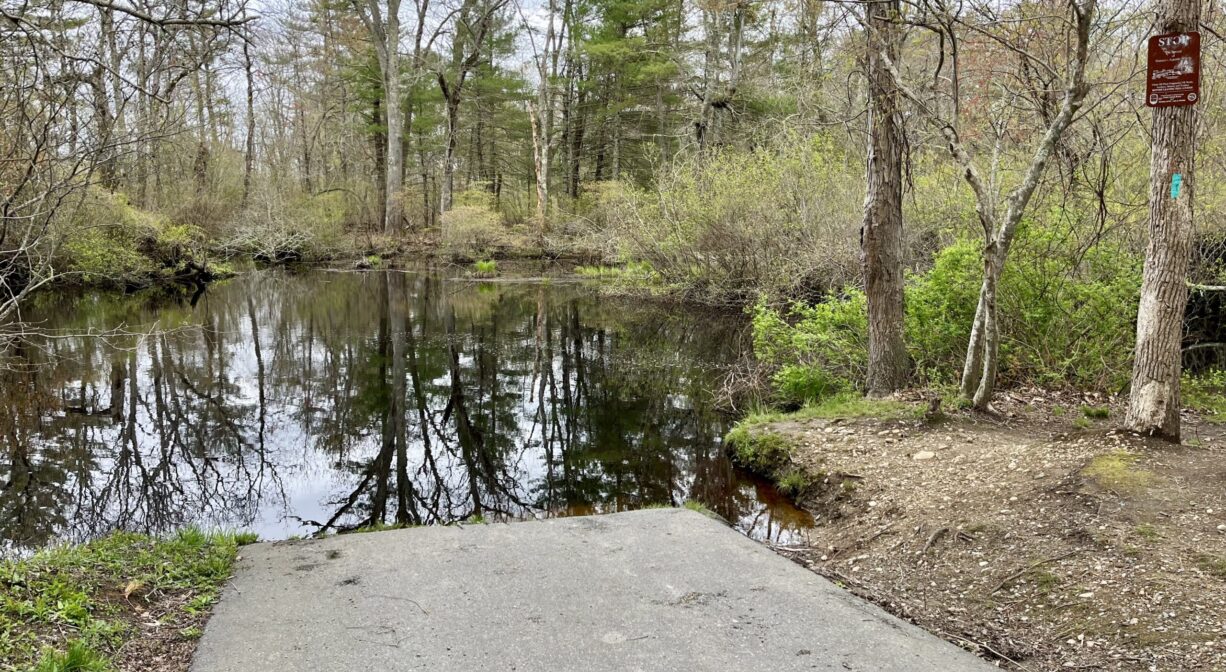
77	658
69	608
754	445
1096	412
761	451
632	270
794	483
844	406
485	269
1148	532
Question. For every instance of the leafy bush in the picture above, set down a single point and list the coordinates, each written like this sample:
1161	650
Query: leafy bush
1060	310
473	232
734	226
1206	392
114	243
817	351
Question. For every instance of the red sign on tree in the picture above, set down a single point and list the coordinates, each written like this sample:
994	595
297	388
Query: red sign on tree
1173	77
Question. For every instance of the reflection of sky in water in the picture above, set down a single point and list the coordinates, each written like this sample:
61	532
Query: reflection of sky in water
266	407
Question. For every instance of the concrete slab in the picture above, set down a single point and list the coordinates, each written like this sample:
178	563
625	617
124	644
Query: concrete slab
662	589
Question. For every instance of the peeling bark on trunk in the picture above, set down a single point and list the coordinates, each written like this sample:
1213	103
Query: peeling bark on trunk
1154	400
881	236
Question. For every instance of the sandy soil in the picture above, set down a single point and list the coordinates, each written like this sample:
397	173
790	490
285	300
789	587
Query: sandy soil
1041	538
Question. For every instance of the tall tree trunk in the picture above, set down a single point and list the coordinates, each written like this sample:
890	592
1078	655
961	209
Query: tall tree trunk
540	164
1154	400
249	154
447	189
384	28
394	209
881	235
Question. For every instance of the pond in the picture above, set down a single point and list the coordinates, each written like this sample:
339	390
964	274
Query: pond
294	403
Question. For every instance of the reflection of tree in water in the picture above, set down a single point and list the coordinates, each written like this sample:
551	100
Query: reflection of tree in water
348	400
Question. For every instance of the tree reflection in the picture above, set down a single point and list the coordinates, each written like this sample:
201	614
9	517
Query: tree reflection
297	404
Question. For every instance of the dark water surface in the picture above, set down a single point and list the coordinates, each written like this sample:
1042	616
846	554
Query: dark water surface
287	403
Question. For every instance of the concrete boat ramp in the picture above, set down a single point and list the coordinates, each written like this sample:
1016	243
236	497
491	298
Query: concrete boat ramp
660	589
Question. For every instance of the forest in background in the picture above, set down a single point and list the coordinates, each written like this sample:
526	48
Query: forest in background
712	150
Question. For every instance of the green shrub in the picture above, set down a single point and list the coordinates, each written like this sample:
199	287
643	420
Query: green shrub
1060	314
114	243
473	232
940	307
1206	392
817	351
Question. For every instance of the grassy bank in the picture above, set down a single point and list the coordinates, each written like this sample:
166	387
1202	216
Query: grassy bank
127	601
762	442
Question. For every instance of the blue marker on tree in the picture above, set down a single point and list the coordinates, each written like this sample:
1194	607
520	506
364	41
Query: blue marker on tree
1176	182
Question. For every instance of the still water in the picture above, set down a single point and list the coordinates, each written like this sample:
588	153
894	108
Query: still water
298	403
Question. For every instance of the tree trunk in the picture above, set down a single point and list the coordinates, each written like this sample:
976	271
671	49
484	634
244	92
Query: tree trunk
394	210
540	166
447	189
881	236
249	154
384	29
1154	400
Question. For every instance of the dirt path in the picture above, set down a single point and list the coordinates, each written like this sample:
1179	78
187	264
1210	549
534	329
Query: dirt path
1039	543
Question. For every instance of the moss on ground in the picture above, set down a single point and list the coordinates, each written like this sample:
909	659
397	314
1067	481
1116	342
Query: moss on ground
1118	471
71	608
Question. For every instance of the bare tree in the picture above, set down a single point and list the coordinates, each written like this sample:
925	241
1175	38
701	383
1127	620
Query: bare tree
1154	400
472	24
52	151
999	228
540	111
